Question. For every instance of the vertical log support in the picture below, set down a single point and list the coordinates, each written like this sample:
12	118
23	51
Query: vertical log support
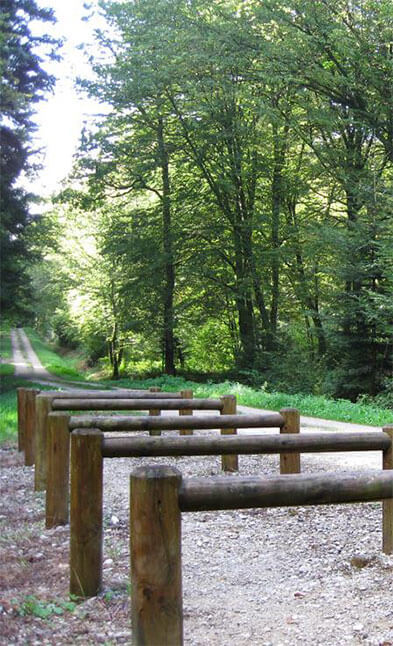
290	462
21	403
387	505
86	513
30	425
155	552
229	462
58	471
43	406
153	412
186	394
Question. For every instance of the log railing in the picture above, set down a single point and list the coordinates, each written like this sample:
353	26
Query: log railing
26	409
60	426
158	496
46	402
89	447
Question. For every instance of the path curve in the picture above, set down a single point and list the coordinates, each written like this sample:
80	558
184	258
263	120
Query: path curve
28	366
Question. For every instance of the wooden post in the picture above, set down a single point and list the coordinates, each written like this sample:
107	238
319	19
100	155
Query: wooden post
186	394
153	412
21	403
86	513
43	406
290	462
229	462
155	551
387	505
29	426
58	471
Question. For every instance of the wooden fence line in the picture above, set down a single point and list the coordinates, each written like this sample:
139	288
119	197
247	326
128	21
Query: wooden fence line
136	404
174	423
122	447
57	446
158	495
45	405
196	494
23	420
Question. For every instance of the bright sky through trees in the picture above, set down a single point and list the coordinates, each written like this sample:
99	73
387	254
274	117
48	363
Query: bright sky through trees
60	118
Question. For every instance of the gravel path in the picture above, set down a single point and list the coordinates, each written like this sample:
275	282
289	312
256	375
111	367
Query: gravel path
302	576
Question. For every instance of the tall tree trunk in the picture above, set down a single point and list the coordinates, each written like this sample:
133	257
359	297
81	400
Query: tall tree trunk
169	286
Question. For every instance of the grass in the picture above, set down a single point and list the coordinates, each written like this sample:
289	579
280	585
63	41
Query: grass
309	405
60	366
8	406
31	605
5	351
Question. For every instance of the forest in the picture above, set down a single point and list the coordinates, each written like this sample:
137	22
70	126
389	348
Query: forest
230	209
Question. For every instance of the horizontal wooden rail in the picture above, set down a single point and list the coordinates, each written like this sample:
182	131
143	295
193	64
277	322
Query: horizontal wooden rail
113	447
136	404
158	495
174	423
109	394
207	494
108	401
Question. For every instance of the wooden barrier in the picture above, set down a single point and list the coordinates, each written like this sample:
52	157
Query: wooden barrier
155	411
387	463
224	493
158	495
57	441
81	393
21	411
48	401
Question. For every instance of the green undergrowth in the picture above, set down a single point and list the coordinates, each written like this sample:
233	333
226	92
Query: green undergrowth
309	405
5	344
43	609
60	366
8	410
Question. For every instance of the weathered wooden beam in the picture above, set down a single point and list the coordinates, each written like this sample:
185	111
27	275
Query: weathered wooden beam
290	462
113	447
136	404
154	410
155	551
111	394
229	463
387	528
30	426
21	410
58	471
174	423
86	513
206	494
187	395
43	406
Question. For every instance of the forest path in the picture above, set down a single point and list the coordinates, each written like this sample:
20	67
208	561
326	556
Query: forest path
28	366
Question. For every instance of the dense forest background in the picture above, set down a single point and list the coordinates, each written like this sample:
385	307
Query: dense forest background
231	210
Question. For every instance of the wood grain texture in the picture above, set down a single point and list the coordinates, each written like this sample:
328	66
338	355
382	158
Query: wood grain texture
290	462
229	462
58	471
191	404
155	549
86	513
387	511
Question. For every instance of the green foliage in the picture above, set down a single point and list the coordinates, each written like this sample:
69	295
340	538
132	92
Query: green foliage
23	83
61	366
5	343
8	405
310	405
233	210
41	608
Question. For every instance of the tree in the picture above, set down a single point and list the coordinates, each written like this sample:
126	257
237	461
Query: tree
23	83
